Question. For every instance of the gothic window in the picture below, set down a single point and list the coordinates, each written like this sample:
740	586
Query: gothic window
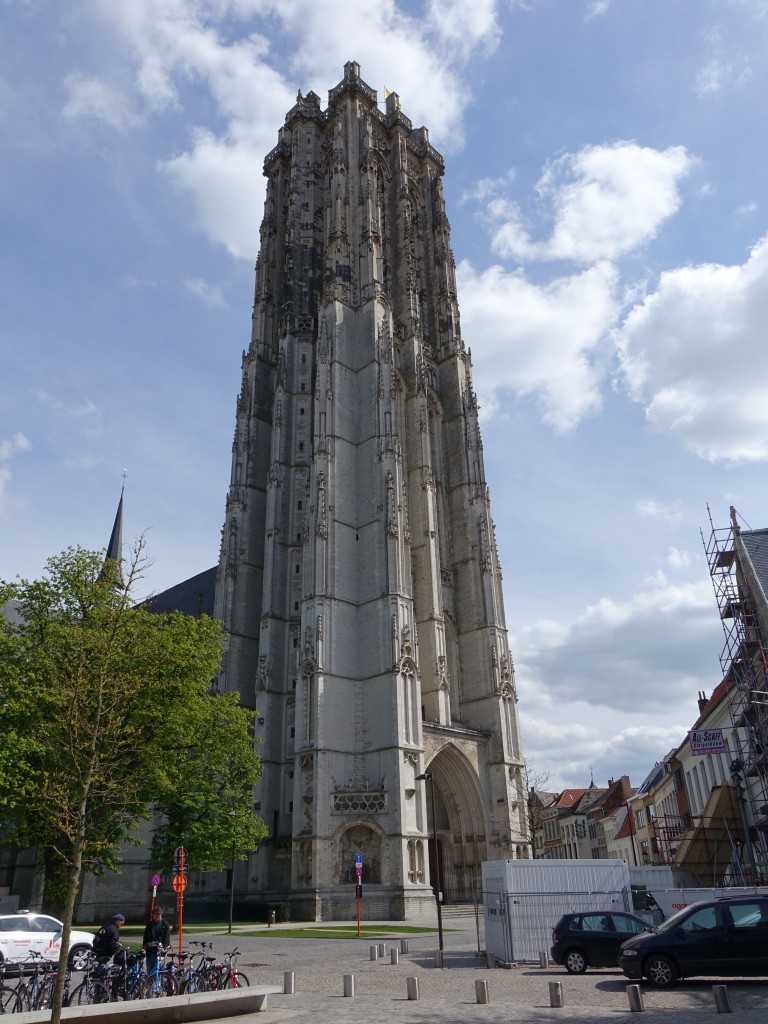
308	702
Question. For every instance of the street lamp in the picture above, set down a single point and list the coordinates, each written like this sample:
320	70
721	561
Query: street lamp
232	876
427	777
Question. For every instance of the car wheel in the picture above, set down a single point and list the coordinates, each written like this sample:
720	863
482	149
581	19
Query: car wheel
660	971
78	957
575	962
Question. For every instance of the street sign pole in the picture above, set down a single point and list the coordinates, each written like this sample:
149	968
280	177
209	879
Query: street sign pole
358	886
179	885
154	882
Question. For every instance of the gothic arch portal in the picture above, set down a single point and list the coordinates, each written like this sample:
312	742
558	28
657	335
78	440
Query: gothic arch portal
461	824
353	839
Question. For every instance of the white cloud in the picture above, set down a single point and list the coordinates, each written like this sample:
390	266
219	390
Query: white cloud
671	513
210	295
90	98
678	559
605	201
662	643
597	7
83	408
539	340
17	444
693	353
179	46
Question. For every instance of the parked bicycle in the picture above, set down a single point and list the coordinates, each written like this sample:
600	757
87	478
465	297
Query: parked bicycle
36	982
9	997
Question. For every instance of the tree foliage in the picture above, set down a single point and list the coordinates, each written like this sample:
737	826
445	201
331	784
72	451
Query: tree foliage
108	716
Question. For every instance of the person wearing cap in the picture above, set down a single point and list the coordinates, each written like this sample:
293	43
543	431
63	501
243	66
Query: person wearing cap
106	942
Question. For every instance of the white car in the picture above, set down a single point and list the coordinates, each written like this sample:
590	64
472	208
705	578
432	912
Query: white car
24	932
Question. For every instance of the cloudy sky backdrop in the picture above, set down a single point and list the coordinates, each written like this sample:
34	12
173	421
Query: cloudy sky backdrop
608	198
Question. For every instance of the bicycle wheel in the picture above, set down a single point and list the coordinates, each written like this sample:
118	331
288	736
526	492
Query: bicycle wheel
88	992
159	986
9	1001
212	979
236	979
44	995
136	987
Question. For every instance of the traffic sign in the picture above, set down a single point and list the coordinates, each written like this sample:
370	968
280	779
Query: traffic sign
179	883
180	861
155	880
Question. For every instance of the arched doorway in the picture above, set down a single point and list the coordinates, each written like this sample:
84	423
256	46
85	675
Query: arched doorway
459	824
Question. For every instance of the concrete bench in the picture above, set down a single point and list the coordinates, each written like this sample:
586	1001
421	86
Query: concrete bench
171	1010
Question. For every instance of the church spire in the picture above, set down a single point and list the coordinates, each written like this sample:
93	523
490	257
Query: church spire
115	546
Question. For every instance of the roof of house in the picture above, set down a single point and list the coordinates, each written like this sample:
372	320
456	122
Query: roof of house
755	544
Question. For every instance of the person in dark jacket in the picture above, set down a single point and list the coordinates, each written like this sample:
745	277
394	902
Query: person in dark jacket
157	935
106	941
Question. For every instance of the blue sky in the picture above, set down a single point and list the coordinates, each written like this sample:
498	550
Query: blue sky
608	199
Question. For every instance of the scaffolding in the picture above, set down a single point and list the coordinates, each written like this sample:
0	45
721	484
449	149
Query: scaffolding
744	615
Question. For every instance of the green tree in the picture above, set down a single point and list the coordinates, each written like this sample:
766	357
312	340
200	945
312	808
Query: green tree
108	716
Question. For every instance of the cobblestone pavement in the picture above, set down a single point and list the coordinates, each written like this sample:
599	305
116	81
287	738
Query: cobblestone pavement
448	994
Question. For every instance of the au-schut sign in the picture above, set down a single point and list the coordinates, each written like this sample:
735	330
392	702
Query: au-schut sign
708	741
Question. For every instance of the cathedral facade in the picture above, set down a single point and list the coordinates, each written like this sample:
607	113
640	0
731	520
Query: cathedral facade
359	581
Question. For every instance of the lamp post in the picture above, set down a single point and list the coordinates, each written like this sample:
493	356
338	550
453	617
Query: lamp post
427	777
232	877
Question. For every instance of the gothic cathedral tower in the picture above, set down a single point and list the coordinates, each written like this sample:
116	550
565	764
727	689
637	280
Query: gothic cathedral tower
359	580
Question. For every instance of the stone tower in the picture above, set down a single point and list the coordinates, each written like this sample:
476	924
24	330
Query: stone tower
359	580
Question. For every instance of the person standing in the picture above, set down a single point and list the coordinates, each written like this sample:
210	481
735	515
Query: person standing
106	941
157	935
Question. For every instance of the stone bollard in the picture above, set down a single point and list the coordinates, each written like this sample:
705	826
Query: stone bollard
289	983
556	993
543	959
412	985
490	958
403	945
374	952
382	949
722	999
438	958
394	956
349	985
481	992
635	997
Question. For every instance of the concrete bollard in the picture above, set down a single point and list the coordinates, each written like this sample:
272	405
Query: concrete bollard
412	985
481	992
635	997
394	956
374	952
289	983
490	958
543	959
722	999
403	945
349	985
556	993
382	949
438	958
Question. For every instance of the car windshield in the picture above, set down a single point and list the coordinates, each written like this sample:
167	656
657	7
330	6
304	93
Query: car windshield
674	922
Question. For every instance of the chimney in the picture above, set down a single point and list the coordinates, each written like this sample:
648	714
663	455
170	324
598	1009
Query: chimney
702	701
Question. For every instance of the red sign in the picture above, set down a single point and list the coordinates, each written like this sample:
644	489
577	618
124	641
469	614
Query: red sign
179	883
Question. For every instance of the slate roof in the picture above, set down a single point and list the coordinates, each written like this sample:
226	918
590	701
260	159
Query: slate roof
755	544
190	597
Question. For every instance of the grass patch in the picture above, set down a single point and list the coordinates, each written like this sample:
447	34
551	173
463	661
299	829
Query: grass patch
345	931
132	934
